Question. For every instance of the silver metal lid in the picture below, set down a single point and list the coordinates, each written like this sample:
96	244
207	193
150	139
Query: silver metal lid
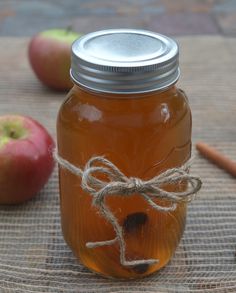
125	61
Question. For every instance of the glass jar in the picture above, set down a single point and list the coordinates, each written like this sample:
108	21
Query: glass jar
125	107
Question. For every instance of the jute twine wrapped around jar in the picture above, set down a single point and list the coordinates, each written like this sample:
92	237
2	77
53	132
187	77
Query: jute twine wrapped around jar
121	185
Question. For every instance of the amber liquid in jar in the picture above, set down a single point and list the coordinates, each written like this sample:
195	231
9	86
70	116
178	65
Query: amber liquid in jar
143	135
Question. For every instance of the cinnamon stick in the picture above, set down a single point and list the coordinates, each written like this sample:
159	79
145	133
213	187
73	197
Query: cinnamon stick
216	157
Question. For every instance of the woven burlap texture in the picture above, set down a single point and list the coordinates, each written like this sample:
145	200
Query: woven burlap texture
33	254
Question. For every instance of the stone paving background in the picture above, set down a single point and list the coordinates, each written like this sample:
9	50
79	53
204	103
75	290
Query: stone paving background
173	17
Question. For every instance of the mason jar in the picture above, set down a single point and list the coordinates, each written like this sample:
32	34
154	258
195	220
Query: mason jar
124	107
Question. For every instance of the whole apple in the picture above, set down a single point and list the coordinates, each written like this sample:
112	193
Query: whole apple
49	55
26	160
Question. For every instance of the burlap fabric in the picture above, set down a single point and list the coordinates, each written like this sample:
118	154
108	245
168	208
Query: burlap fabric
33	254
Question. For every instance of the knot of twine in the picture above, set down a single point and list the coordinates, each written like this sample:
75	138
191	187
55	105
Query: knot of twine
119	184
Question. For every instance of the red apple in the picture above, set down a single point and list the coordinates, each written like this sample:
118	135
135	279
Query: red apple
49	55
26	160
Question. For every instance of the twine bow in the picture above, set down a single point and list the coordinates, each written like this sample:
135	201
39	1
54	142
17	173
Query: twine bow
119	184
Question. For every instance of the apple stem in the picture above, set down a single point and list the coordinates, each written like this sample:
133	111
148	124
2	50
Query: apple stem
68	29
12	133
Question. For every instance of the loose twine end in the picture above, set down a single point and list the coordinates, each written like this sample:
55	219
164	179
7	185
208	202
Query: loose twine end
121	185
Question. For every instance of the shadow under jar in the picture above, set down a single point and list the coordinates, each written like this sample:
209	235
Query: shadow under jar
124	106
